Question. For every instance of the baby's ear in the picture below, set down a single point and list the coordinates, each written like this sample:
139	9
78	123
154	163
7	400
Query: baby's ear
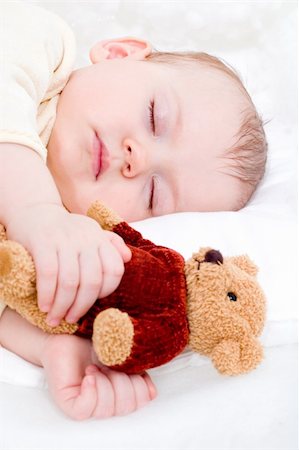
125	47
244	263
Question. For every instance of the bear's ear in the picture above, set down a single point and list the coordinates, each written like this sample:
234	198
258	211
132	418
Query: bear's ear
207	254
245	263
105	217
200	255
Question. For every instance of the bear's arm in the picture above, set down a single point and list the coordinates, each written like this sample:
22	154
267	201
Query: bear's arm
133	237
157	340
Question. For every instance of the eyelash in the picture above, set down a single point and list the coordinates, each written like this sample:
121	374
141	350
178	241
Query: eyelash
152	115
151	109
151	197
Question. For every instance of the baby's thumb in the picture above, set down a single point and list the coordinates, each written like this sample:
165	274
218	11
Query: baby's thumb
120	245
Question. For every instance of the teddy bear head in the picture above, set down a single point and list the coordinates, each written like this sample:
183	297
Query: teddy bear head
226	310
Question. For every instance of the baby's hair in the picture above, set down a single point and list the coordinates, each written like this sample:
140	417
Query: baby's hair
249	154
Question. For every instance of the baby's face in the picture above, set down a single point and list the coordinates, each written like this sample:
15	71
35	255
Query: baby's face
145	138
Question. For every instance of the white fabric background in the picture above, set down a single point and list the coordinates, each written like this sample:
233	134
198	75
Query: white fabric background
196	408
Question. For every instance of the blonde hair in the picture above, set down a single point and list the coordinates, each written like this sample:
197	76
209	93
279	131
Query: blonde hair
248	155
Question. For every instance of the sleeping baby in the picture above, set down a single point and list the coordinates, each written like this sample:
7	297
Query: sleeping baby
147	132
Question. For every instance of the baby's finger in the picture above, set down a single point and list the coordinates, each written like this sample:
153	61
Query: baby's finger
89	286
67	285
125	400
112	269
83	406
141	390
120	245
105	397
46	265
150	385
91	369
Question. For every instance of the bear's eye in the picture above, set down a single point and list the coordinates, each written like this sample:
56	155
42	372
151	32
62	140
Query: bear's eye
232	296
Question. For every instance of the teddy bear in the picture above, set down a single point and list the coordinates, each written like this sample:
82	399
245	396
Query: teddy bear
210	303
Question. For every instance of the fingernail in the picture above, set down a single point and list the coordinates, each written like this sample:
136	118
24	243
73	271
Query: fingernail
153	393
91	369
71	319
52	322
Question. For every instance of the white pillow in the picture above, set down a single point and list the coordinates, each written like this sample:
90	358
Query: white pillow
268	241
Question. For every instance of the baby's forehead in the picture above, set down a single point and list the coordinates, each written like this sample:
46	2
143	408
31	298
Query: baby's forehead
199	63
211	107
204	80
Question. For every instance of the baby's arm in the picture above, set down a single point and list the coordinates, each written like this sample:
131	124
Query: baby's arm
32	212
76	261
79	388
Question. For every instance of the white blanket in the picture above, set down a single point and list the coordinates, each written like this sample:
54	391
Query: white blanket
196	407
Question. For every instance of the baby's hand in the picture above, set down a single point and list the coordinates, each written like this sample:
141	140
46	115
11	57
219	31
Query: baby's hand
114	393
76	261
82	390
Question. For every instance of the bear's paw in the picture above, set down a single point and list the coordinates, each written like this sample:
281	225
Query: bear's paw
113	335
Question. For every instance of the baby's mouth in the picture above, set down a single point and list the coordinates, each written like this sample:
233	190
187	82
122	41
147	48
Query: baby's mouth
100	156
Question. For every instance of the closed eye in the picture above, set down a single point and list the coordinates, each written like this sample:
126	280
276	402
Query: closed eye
151	109
151	196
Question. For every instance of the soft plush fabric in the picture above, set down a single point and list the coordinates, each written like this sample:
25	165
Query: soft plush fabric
160	273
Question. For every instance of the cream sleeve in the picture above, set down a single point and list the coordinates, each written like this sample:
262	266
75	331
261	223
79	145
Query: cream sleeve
37	53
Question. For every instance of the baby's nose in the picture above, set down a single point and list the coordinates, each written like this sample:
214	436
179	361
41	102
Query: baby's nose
135	161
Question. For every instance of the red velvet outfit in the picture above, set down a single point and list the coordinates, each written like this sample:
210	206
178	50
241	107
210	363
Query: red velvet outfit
153	293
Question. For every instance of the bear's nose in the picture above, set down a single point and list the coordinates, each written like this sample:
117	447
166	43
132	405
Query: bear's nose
214	257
